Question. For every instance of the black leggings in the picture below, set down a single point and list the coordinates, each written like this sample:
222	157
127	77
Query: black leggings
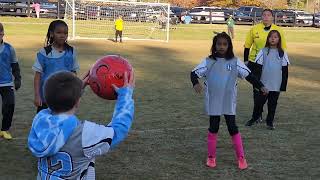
7	94
260	100
231	124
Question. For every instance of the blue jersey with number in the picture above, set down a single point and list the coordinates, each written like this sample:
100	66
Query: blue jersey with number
66	147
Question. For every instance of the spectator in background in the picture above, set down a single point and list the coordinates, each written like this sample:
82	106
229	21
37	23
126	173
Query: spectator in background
187	19
162	21
36	7
230	23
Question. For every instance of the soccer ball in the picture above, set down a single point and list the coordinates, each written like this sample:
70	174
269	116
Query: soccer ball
106	71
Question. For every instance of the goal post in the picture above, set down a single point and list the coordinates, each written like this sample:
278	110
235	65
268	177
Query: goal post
94	19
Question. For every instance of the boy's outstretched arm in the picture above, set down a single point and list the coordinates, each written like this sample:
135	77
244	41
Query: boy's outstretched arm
124	110
98	139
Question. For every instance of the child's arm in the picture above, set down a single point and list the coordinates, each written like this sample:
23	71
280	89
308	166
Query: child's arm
98	139
75	67
124	110
16	74
15	69
256	67
197	73
195	82
37	67
285	72
37	98
244	72
256	83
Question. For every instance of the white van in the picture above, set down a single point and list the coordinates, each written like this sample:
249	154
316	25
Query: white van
203	13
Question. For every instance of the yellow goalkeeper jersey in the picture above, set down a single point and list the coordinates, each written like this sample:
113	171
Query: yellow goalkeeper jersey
119	24
257	37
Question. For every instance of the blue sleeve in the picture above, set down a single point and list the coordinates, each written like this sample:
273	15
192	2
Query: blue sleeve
122	116
75	66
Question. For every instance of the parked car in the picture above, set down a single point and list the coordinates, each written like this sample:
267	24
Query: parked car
16	7
304	18
228	12
86	12
203	14
248	13
92	12
301	17
153	13
317	19
284	17
177	12
46	8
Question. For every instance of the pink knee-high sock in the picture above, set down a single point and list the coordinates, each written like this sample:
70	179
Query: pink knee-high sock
212	143
237	145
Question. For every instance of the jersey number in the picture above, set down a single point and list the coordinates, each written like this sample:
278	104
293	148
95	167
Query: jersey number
59	165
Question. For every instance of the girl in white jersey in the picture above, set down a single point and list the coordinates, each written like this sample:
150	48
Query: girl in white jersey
220	71
271	66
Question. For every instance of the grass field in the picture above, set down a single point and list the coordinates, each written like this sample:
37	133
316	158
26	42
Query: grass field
168	137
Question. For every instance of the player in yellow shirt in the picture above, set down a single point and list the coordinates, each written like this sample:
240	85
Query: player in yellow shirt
256	40
119	28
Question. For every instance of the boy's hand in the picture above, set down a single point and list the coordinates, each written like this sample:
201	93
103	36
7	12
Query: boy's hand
85	79
127	82
37	101
265	91
198	88
17	84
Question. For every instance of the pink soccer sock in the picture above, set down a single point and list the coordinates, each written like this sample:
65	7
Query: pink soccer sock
237	145
212	143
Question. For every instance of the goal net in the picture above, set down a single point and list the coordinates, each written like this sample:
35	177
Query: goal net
95	19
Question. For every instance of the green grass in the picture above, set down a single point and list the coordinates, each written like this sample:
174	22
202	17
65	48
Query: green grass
168	137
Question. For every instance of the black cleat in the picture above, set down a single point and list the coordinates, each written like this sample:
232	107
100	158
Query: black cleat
251	122
271	127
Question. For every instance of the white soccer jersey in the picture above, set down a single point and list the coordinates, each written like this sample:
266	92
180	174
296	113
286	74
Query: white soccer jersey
271	75
221	84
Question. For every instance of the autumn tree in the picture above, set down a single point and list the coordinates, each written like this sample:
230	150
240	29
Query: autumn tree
278	4
185	3
249	3
220	3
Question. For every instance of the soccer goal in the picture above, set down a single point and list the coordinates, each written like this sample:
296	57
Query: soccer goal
94	19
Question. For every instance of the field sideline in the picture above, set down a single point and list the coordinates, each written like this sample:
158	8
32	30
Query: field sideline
168	137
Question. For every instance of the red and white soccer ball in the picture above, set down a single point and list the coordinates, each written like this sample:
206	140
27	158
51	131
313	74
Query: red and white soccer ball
107	71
